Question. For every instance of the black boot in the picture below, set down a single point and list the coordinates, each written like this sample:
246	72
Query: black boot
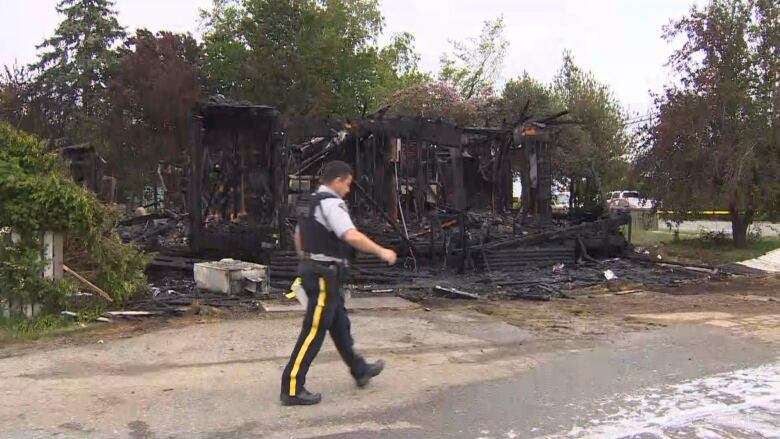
304	397
371	371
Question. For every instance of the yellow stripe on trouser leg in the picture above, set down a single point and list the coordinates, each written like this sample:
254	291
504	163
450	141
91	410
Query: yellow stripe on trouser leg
310	337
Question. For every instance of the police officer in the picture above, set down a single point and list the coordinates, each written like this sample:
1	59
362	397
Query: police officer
324	239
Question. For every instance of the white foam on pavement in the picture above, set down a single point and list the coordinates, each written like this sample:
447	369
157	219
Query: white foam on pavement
740	404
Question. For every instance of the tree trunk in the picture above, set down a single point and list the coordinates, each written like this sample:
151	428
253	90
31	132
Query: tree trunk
602	202
739	226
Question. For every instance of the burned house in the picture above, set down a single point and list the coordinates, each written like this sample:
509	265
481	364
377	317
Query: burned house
439	193
404	168
87	168
236	174
248	164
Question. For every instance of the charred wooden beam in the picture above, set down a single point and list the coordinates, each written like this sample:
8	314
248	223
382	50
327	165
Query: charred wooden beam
556	234
195	190
384	214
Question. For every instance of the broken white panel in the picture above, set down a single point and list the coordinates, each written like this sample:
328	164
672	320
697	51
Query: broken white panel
256	279
231	277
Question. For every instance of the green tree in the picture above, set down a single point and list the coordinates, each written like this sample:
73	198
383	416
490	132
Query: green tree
595	147
590	148
73	69
766	33
37	195
16	90
527	97
316	57
152	92
477	62
397	68
713	144
225	49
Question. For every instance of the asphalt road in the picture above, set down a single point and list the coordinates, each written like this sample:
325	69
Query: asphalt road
451	374
668	384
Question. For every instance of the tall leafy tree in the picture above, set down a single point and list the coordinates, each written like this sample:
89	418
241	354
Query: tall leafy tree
713	145
225	49
317	57
766	34
153	89
16	90
19	101
596	145
73	67
590	148
397	68
476	63
526	97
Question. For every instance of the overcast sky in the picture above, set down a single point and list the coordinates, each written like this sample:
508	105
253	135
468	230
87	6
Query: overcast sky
618	40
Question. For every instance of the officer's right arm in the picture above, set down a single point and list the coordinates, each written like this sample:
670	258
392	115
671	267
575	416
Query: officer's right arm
363	243
337	216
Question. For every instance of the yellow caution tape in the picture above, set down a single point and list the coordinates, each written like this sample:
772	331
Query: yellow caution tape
704	212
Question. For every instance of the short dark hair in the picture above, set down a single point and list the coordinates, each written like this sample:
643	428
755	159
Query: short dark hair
335	169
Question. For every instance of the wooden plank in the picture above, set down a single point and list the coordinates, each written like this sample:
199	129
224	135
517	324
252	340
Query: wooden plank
88	283
456	292
133	313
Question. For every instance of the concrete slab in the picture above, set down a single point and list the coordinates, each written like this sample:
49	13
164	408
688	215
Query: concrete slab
762	265
357	303
771	257
769	262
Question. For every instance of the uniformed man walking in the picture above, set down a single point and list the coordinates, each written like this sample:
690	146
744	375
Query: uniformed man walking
324	239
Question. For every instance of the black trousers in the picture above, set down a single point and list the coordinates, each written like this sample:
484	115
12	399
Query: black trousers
325	313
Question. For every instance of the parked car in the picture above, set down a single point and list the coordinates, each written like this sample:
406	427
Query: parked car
560	201
624	200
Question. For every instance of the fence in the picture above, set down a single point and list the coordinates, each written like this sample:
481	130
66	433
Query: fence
52	253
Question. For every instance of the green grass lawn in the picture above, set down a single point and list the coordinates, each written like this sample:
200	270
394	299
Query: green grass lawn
17	329
47	325
694	247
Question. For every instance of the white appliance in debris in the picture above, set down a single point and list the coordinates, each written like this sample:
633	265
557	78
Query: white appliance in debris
232	277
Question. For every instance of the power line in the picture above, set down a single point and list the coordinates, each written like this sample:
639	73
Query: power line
642	120
641	116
